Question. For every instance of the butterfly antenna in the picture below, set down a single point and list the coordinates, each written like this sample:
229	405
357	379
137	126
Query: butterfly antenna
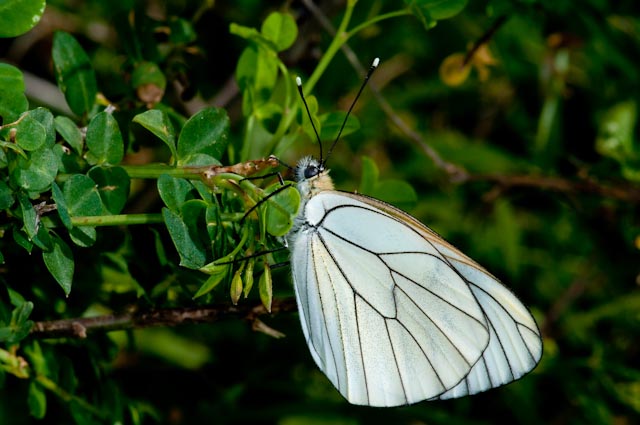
373	67
299	84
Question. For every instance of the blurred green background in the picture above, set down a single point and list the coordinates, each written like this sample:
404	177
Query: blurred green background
543	125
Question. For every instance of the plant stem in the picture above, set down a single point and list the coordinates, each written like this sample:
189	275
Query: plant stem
117	220
358	28
333	48
154	171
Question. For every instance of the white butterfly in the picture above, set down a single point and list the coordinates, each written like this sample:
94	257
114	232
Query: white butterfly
392	313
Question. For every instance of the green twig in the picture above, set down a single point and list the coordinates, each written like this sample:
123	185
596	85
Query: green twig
117	220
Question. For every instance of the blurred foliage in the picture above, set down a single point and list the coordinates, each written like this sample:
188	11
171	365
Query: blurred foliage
116	114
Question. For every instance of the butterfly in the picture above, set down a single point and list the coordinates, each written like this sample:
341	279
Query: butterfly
392	313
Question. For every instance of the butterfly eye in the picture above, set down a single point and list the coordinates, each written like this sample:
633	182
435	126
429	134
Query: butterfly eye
311	171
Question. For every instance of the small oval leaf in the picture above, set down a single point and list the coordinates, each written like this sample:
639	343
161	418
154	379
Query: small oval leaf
59	262
76	78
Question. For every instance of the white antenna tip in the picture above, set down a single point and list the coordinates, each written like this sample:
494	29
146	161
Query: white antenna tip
376	61
299	81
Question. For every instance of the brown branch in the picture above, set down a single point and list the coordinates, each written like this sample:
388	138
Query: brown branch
557	184
81	327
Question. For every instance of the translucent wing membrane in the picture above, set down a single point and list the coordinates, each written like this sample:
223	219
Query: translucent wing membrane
394	315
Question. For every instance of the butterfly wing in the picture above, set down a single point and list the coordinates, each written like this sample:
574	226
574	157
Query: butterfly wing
515	344
387	316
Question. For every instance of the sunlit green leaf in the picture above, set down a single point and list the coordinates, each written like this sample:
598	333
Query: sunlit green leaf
74	73
281	209
36	173
159	124
104	140
207	132
19	16
30	134
281	29
13	102
332	123
70	133
175	191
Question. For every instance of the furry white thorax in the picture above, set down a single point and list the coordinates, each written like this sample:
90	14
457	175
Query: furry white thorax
312	178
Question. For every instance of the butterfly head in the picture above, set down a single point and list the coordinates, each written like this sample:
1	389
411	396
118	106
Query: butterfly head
312	177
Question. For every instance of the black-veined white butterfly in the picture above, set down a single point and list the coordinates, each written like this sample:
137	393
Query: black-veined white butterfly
392	313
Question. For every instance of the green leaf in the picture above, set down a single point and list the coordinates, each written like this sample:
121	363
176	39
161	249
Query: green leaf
257	69
45	117
207	132
182	31
82	197
159	124
430	11
37	401
30	134
22	240
113	187
19	325
174	192
29	215
74	73
6	196
616	132
281	209
148	73
19	16
312	103
265	287
60	264
331	123
104	140
83	236
149	82
396	192
281	29
13	102
36	173
189	246
247	33
70	133
61	205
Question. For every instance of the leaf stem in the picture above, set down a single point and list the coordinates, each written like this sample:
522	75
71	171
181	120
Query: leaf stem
358	28
117	220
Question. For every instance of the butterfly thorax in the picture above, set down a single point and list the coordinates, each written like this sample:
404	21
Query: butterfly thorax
312	178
